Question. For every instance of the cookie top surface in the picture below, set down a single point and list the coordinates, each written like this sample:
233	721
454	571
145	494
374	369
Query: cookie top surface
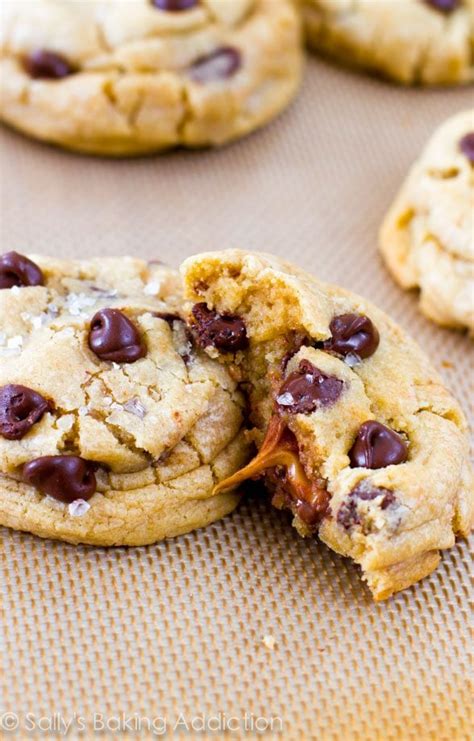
424	42
104	398
369	418
150	74
427	237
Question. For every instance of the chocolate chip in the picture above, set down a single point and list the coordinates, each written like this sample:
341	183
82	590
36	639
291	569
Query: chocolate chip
444	6
18	270
348	514
352	334
308	388
466	145
174	5
115	338
64	477
219	65
48	65
224	331
20	409
311	513
377	446
295	342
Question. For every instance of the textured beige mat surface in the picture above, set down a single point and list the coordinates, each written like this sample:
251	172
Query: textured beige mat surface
177	628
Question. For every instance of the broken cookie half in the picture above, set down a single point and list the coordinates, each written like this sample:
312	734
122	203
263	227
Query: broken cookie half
356	433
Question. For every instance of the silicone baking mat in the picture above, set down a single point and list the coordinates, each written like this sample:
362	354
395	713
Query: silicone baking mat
168	639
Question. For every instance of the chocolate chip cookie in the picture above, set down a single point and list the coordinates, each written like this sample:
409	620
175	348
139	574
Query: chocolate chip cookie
122	78
427	238
356	434
414	42
114	425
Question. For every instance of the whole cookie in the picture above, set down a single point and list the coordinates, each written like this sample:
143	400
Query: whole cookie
357	435
114	426
414	42
121	78
427	238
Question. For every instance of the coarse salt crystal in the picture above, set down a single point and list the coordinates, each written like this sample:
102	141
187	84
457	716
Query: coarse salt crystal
134	406
286	399
152	288
352	359
78	508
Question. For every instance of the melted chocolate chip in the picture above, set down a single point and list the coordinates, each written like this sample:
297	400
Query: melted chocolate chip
308	388
348	514
377	446
20	409
174	6
444	6
17	270
466	145
219	65
115	338
352	333
47	65
224	331
64	477
295	342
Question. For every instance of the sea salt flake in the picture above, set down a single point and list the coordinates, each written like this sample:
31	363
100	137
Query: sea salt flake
134	406
83	411
65	423
15	290
352	359
152	288
78	508
286	399
76	303
15	342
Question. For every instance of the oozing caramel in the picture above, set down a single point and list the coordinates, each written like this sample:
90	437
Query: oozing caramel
280	451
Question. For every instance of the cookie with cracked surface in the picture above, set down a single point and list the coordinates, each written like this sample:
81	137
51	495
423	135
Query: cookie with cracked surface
413	42
357	434
427	237
114	425
119	78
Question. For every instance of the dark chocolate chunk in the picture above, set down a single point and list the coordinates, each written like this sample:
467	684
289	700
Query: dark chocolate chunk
466	145
377	446
48	65
295	342
224	331
18	270
174	6
444	6
352	333
64	477
219	65
348	514
115	338
308	388
20	409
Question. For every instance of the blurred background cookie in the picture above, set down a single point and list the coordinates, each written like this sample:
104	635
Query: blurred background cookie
427	238
424	42
127	78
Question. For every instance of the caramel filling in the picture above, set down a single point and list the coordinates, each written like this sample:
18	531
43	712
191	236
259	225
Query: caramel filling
308	499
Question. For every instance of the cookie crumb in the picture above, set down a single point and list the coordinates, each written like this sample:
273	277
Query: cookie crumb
269	642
